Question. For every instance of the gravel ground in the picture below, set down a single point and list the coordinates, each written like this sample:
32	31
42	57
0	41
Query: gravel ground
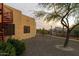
46	46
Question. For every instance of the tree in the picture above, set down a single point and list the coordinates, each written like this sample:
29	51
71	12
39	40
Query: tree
60	12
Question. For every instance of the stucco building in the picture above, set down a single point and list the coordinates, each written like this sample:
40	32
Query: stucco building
14	23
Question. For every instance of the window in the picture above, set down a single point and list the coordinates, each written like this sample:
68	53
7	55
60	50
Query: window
9	29
26	29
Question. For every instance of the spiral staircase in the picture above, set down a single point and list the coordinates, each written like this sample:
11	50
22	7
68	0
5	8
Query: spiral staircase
5	19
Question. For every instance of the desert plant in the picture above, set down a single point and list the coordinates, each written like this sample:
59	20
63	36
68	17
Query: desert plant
76	33
7	49
60	12
19	45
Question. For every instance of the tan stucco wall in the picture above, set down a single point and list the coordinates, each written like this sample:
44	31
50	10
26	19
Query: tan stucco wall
20	20
27	21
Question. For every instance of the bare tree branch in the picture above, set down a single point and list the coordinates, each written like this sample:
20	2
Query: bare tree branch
67	21
64	24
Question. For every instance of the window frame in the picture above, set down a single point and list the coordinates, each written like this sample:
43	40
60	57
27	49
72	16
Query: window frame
26	29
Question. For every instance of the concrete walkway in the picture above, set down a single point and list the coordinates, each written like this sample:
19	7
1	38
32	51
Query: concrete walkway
46	46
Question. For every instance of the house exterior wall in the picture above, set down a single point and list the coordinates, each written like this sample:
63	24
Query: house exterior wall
27	21
20	21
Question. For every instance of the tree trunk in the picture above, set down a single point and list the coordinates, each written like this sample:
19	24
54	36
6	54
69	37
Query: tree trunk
67	38
63	31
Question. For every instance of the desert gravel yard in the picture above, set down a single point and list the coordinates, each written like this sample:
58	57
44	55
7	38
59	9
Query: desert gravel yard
46	46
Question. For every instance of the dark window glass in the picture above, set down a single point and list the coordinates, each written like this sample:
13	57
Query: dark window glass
26	29
9	29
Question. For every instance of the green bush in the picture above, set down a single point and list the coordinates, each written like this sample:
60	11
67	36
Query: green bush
11	47
19	45
42	31
7	49
76	33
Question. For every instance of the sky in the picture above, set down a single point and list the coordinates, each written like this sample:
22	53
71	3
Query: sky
28	9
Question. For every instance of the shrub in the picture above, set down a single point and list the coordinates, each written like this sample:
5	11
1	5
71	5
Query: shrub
19	45
7	49
10	49
76	33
